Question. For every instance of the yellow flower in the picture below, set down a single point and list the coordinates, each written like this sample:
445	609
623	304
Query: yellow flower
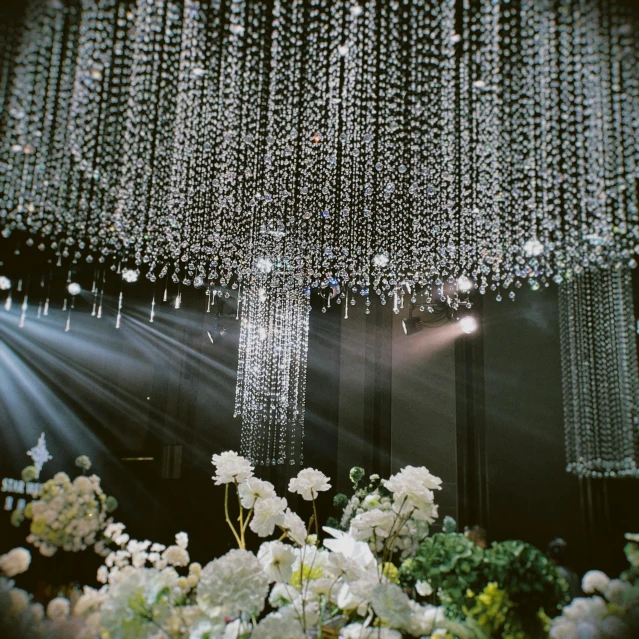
389	570
306	573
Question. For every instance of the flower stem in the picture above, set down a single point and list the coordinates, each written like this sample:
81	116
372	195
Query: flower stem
228	519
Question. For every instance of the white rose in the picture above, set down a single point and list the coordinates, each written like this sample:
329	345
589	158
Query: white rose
254	489
294	527
595	581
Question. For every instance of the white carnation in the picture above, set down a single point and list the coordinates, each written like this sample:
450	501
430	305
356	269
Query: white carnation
413	487
231	467
595	581
294	527
253	489
15	562
176	556
267	514
309	483
232	584
277	560
58	608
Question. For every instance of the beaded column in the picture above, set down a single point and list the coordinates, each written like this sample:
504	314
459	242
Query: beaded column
600	375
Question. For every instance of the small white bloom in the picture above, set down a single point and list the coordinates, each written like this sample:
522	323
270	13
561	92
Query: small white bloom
15	562
309	483
231	467
359	631
254	489
372	523
391	604
267	514
595	581
277	560
182	540
176	556
424	589
58	608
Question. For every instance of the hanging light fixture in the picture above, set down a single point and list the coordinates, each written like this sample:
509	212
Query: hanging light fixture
375	143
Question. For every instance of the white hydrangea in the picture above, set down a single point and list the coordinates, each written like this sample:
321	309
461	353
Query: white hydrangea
267	514
58	608
253	489
231	467
182	540
309	483
15	562
276	560
232	584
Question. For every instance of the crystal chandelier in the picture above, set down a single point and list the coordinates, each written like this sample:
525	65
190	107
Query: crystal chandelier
384	145
600	374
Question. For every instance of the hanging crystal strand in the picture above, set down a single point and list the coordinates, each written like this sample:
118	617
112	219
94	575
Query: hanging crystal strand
600	374
25	302
99	313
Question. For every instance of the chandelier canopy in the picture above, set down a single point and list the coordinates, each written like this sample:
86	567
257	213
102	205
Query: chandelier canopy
373	143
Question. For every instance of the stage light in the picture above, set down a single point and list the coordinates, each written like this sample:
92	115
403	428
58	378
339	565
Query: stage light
5	283
468	324
412	325
74	289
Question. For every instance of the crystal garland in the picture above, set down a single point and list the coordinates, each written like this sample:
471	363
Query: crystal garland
600	374
356	148
386	146
271	381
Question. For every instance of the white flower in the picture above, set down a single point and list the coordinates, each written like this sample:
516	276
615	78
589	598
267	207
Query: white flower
58	608
267	514
595	581
231	467
90	601
391	604
19	601
83	485
373	523
412	490
232	584
282	624
423	619
277	560
37	610
182	540
345	544
309	483
176	556
358	631
254	489
15	562
423	588
294	526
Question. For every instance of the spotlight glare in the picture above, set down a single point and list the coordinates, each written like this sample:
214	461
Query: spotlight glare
468	324
130	275
5	283
74	288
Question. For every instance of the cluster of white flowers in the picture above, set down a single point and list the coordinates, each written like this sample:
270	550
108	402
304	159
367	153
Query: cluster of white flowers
397	513
68	515
611	613
150	590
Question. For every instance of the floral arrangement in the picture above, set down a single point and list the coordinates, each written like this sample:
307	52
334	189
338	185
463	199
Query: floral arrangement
612	612
68	514
374	574
293	587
